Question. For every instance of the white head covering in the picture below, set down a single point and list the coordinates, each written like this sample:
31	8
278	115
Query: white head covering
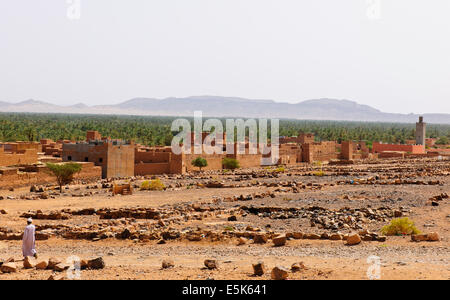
30	220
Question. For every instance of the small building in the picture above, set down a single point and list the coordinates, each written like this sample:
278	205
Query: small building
116	157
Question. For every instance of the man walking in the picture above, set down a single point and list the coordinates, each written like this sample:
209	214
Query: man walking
28	241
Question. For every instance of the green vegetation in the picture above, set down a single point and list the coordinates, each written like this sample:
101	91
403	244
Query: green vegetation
153	130
200	163
443	141
64	173
230	163
400	226
153	185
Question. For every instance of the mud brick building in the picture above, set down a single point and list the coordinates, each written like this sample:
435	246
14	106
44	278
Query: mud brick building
158	160
117	158
13	154
413	149
323	151
302	138
11	177
420	132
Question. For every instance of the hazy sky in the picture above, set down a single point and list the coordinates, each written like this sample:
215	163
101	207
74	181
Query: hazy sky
285	50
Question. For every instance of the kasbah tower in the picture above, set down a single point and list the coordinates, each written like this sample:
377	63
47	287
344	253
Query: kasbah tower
420	131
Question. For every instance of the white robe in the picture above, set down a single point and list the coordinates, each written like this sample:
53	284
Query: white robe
28	241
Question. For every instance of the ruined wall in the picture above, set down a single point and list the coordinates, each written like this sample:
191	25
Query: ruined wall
415	149
323	151
93	136
151	168
290	154
214	161
391	155
302	138
347	150
23	157
247	160
30	175
152	156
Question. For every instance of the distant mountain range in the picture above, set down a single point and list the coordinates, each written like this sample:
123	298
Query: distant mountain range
213	106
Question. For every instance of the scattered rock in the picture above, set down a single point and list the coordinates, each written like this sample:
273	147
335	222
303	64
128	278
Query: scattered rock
279	273
279	241
61	267
259	269
297	267
9	267
56	277
353	239
41	265
96	264
242	241
211	264
260	239
28	263
433	237
168	263
52	262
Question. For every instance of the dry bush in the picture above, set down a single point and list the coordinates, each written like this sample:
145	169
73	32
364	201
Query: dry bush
400	226
153	185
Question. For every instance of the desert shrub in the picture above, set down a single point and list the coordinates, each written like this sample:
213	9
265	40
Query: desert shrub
64	173
153	185
230	163
279	170
199	162
319	173
400	226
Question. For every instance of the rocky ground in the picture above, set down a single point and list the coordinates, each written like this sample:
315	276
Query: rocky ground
324	227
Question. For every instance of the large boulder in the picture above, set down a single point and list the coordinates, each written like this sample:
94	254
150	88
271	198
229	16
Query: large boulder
279	241
9	267
260	238
29	263
433	237
96	264
211	264
41	265
52	262
279	273
259	269
61	267
353	239
168	263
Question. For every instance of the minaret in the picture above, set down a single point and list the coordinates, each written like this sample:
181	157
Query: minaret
421	128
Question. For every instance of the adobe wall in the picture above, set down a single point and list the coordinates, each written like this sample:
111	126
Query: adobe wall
414	149
302	138
347	150
151	168
116	160
247	160
323	151
23	157
391	155
214	161
290	154
30	175
152	156
120	161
